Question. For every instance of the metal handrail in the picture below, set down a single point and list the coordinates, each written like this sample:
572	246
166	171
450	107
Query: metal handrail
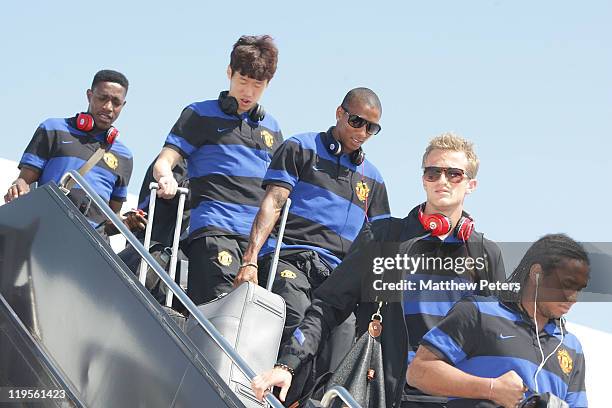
178	292
342	393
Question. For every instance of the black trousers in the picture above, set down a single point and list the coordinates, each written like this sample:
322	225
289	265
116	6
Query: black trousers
153	283
414	404
413	398
213	265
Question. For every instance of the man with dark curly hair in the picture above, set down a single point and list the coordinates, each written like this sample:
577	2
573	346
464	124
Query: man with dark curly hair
228	143
496	351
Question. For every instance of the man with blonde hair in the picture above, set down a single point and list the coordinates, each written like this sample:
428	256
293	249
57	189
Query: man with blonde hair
411	271
449	141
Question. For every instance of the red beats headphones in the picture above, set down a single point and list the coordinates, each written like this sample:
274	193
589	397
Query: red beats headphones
440	224
85	122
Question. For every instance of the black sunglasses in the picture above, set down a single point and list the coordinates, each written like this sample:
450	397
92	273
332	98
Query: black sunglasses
452	174
357	122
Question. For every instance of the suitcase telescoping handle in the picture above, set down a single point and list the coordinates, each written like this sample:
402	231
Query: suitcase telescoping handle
279	242
142	271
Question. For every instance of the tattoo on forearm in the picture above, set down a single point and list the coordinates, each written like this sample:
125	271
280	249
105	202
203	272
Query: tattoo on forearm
265	220
279	199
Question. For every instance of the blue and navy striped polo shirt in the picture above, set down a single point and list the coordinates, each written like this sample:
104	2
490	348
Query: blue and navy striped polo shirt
487	338
329	195
227	158
58	147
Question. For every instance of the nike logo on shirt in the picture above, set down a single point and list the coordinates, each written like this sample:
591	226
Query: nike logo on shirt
67	141
501	336
223	130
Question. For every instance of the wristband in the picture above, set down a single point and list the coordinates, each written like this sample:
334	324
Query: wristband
244	265
285	367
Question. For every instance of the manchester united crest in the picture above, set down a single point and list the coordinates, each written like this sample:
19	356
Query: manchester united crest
224	258
267	138
362	190
565	361
110	160
287	274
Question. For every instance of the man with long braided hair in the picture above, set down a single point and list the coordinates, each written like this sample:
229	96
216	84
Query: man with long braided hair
501	349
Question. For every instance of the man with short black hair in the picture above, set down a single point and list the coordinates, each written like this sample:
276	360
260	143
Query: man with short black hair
334	190
62	145
228	143
497	350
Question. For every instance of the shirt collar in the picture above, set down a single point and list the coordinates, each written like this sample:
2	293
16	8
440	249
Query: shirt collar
552	328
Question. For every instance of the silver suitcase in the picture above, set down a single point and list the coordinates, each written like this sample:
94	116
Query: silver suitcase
252	319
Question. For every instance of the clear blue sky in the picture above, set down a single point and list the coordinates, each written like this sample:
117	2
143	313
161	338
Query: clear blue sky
528	81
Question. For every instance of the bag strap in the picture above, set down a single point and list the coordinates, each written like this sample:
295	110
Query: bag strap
89	164
318	387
